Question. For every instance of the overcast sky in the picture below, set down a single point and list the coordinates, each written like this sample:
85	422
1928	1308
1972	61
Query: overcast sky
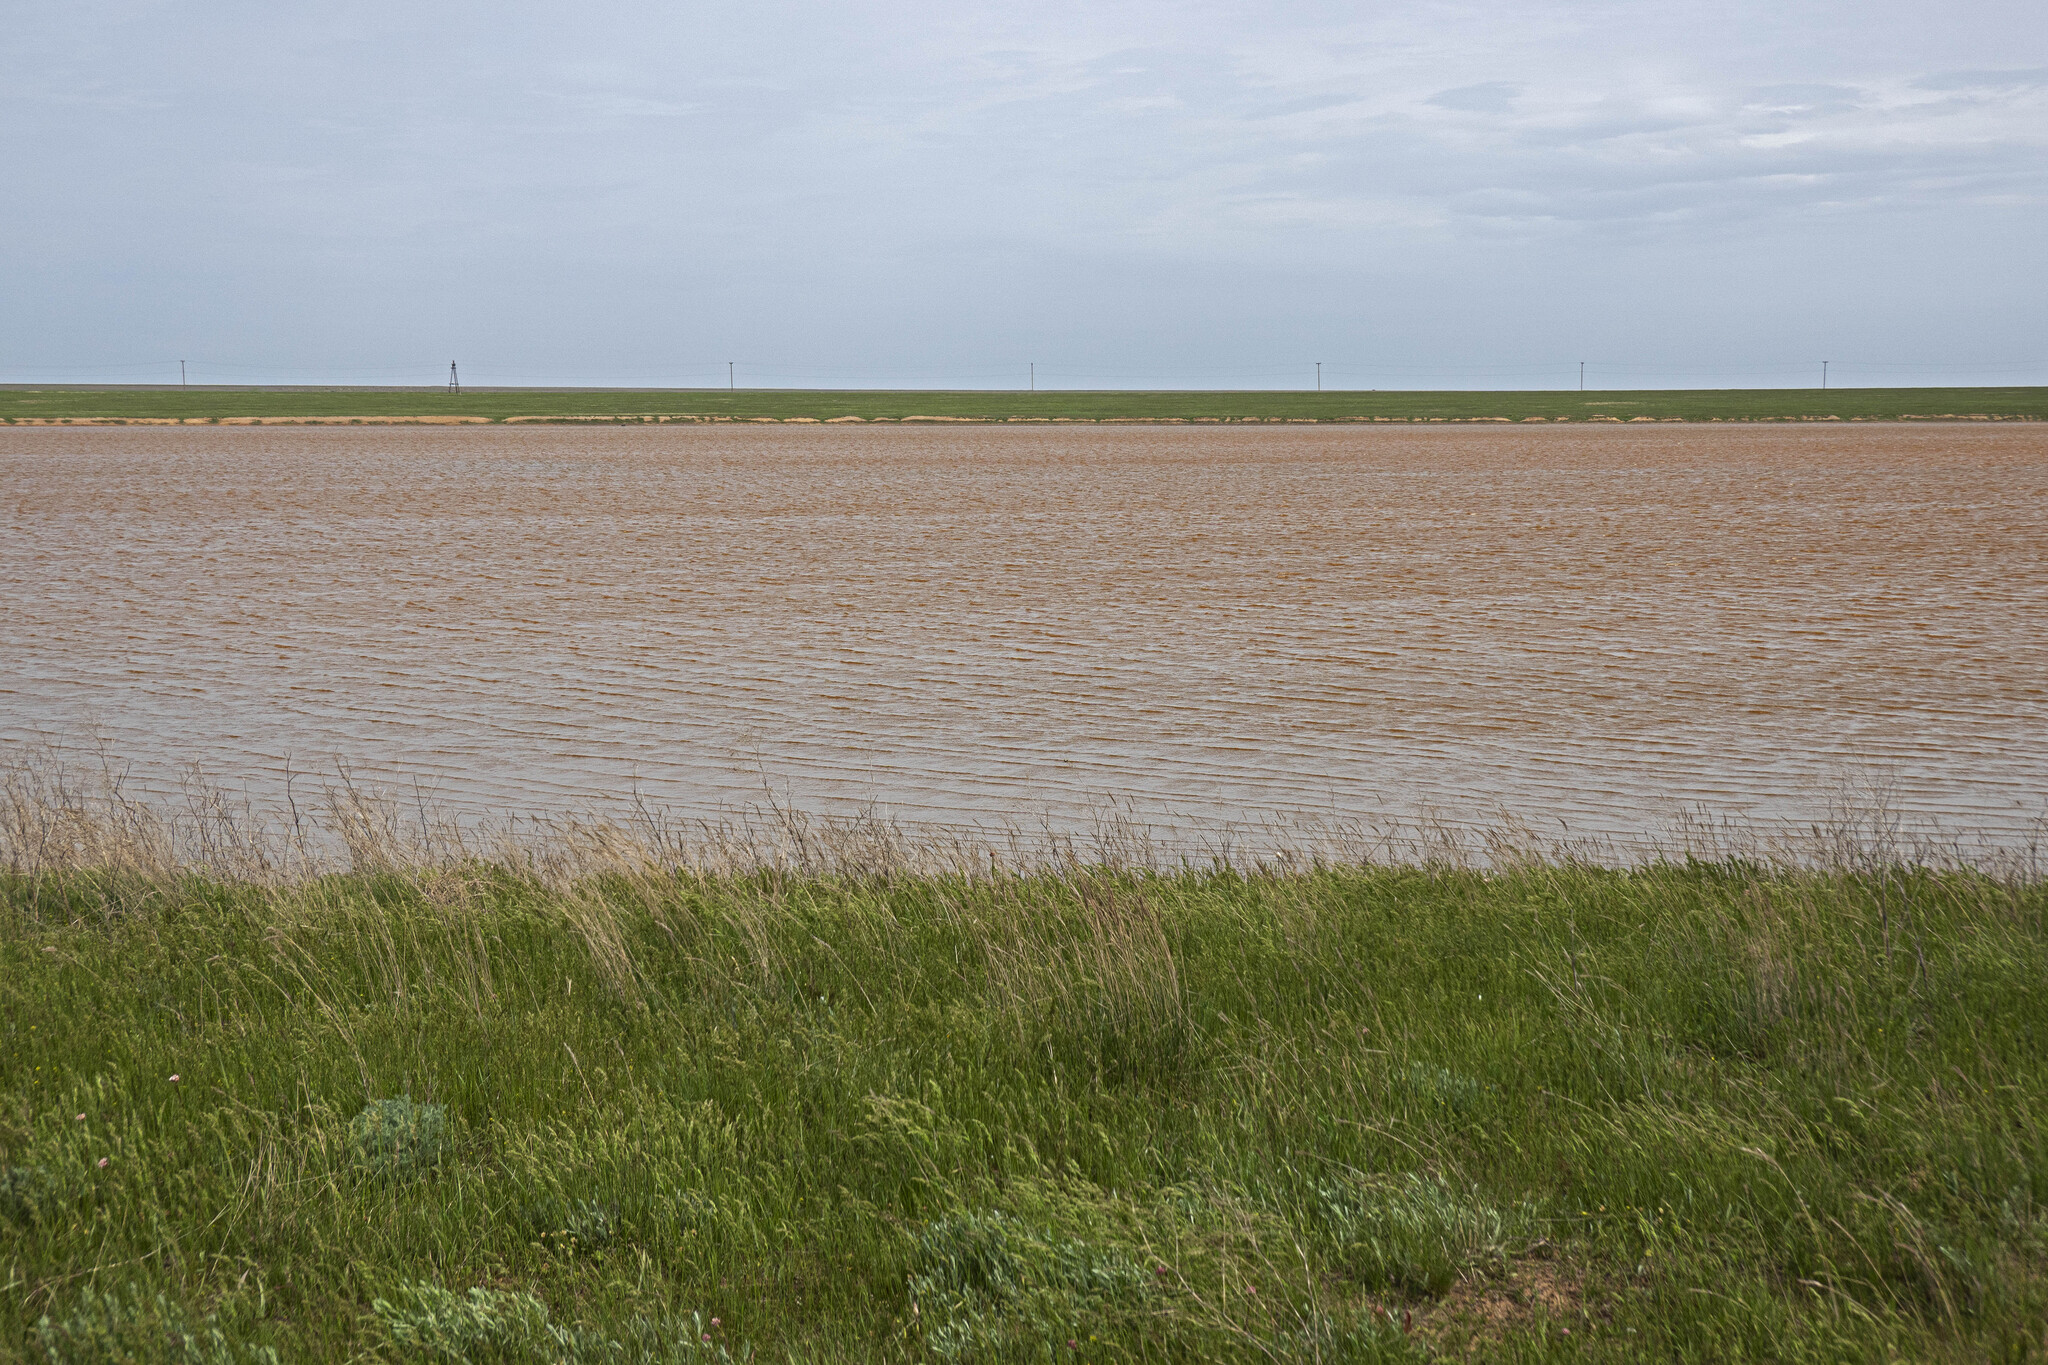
1420	195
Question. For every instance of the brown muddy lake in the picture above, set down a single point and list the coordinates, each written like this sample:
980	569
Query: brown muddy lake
1589	629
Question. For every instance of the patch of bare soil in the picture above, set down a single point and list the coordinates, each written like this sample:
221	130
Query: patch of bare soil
1484	1310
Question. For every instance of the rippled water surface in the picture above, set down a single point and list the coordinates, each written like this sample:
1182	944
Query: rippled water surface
1587	625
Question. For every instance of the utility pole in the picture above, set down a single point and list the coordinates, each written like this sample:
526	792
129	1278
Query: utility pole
1582	376
181	374
1034	376
728	376
454	384
1823	376
1319	376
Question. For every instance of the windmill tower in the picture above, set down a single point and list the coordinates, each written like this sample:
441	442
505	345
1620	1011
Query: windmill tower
454	384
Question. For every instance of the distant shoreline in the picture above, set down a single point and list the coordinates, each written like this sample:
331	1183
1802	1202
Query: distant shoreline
57	405
695	419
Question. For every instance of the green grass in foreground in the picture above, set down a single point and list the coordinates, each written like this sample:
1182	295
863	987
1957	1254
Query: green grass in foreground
1702	1112
1692	404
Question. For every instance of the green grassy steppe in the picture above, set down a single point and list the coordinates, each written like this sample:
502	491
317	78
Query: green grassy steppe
1705	1112
1698	405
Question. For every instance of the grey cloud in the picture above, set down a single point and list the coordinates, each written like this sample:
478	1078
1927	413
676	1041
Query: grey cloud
1308	104
2031	79
1807	99
1493	97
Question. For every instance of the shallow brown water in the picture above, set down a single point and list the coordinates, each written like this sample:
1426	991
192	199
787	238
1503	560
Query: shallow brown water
1593	626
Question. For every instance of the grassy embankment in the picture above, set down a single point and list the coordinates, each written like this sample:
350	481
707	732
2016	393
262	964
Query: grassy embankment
1699	405
1699	1112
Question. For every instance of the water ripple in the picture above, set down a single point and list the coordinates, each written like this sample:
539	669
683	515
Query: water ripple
1577	625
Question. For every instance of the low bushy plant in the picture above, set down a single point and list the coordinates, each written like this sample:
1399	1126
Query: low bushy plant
136	1328
28	1194
579	1227
398	1137
984	1281
1417	1233
1445	1091
1363	1339
427	1322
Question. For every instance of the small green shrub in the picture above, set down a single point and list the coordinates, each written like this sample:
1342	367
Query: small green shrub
28	1195
984	1281
432	1323
1416	1234
440	1324
969	1252
582	1227
134	1329
1445	1091
1363	1340
2023	1223
398	1137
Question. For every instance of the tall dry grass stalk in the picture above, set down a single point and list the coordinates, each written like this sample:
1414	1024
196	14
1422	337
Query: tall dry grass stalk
62	815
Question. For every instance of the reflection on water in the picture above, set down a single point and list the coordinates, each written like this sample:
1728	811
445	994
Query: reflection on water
1592	626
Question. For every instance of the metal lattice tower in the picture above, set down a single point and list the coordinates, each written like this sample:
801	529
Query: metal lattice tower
454	384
